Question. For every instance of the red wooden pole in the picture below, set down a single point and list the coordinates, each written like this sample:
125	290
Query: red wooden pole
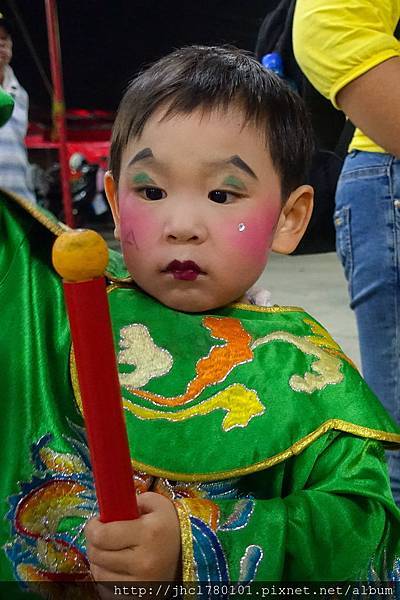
59	106
80	257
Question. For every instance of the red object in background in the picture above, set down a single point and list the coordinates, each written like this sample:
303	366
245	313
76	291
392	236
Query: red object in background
58	105
101	398
94	152
88	132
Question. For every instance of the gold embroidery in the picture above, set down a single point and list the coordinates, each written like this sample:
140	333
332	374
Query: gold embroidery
164	487
392	440
332	424
327	367
56	228
41	511
188	568
266	309
62	462
119	283
322	338
203	509
139	350
143	482
75	381
125	280
215	367
118	286
240	404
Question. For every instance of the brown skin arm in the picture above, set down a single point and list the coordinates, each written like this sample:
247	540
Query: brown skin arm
372	103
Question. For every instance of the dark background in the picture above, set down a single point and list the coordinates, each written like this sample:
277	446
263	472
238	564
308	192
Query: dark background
104	42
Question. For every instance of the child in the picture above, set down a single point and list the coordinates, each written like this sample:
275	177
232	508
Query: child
256	445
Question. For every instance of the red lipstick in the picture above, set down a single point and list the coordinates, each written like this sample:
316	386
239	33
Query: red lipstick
186	270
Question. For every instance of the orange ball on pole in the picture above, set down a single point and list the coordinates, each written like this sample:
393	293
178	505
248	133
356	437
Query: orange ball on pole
80	254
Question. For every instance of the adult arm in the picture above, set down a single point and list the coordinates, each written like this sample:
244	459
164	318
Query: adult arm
372	103
349	53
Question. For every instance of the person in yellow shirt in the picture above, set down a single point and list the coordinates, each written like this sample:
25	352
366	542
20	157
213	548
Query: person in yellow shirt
349	52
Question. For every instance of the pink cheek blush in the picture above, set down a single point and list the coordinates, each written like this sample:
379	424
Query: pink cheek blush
138	224
252	236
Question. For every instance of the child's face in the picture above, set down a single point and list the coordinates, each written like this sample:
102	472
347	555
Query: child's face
196	209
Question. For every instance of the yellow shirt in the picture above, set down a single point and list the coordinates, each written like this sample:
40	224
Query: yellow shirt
336	41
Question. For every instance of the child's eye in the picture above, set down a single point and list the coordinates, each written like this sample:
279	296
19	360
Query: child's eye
221	196
152	193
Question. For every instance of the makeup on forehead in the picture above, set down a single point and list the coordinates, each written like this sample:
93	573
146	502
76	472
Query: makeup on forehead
235	160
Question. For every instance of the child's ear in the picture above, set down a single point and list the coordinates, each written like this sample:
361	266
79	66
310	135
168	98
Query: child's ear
110	188
293	220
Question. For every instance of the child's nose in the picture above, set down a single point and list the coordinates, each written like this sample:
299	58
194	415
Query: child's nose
185	229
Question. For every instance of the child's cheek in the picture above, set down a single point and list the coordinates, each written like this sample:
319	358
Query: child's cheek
253	235
138	224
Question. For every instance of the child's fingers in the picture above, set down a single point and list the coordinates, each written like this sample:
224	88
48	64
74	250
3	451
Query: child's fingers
150	502
101	574
113	536
116	561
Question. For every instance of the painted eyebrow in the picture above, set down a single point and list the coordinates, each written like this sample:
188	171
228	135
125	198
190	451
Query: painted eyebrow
141	155
238	162
234	160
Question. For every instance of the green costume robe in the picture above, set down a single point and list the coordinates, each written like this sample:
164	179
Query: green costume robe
250	419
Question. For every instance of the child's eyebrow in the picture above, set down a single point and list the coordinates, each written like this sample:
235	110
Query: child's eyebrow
236	161
141	155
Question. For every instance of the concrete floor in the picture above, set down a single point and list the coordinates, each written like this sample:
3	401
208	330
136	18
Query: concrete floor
315	282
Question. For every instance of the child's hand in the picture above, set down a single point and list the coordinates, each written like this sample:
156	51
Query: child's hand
145	549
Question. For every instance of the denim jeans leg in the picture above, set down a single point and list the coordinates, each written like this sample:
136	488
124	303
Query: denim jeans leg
367	220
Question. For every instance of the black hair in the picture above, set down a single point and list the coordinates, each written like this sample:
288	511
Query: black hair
212	77
7	25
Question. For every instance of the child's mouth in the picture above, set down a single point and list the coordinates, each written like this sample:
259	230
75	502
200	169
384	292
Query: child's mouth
186	270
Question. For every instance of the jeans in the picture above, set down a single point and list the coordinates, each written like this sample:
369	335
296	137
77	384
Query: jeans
367	221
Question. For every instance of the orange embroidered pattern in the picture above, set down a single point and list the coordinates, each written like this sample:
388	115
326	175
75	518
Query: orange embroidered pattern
216	366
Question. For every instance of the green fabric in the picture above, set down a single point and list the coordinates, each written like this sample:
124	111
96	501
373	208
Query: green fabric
265	501
6	107
264	402
322	516
36	395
